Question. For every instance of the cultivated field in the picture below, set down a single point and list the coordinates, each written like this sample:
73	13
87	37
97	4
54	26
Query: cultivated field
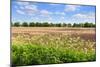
84	33
47	45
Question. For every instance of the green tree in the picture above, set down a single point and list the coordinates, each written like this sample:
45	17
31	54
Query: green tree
58	25
64	25
45	24
87	24
74	25
25	24
37	24
94	25
81	24
32	24
16	24
51	25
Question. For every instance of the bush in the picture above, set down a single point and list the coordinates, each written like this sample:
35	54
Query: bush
29	54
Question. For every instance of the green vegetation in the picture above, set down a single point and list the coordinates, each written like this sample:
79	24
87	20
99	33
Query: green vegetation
17	24
50	49
46	24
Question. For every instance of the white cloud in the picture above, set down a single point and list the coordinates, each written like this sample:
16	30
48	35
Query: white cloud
20	12
27	8
71	8
49	18
62	18
91	15
60	13
23	3
86	16
80	15
30	9
37	18
63	13
45	12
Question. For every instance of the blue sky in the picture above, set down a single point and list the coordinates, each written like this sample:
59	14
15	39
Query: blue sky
50	12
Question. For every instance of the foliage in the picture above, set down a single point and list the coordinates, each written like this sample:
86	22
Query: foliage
46	24
32	24
24	24
50	49
17	24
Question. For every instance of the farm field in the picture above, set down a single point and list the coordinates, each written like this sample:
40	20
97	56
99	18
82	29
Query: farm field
52	33
84	33
50	45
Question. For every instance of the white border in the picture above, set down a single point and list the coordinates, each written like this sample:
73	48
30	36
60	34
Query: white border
85	2
5	33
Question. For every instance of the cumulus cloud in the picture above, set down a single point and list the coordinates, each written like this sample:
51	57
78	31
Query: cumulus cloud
45	12
71	8
87	16
49	18
91	15
20	12
80	15
30	9
27	8
23	3
60	13
62	18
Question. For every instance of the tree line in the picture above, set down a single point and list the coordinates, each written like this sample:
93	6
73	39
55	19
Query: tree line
46	24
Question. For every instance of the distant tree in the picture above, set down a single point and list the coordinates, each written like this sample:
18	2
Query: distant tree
37	24
58	24
69	25
74	25
16	24
64	25
32	24
45	24
55	24
86	24
25	24
40	24
51	25
94	25
81	24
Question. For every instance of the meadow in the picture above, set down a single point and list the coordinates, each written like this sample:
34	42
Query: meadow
52	45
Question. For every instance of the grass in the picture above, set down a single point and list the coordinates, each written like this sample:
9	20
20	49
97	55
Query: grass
51	49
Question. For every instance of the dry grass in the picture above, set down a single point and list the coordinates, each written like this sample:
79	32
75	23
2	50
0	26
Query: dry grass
84	33
49	45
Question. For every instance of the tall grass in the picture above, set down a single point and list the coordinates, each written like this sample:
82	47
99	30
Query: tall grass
51	49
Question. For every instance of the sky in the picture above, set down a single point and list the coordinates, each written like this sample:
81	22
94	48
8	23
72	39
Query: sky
50	12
